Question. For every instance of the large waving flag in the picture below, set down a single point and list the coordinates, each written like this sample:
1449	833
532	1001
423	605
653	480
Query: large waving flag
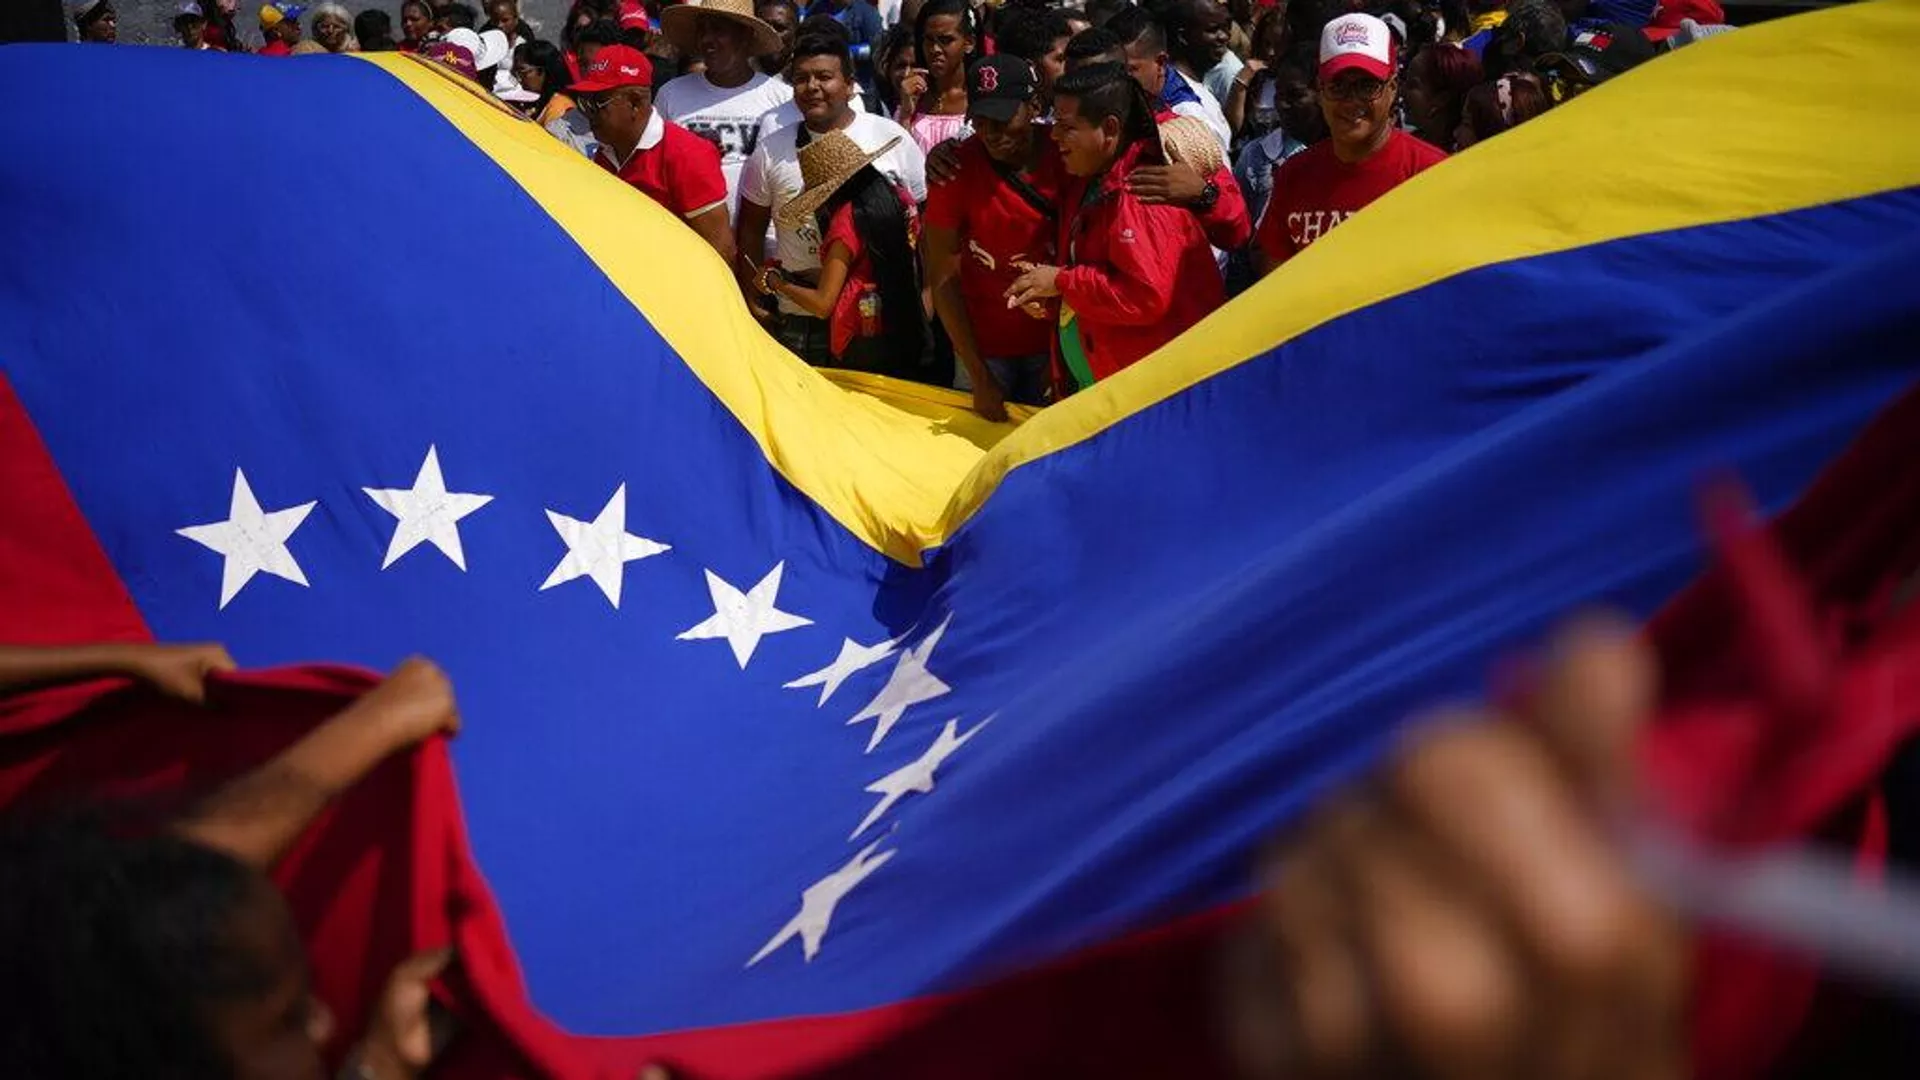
795	701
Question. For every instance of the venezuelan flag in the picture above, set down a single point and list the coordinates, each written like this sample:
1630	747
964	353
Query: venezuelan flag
795	700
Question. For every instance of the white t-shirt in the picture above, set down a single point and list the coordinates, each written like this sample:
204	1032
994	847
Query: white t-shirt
772	179
1207	110
788	114
728	117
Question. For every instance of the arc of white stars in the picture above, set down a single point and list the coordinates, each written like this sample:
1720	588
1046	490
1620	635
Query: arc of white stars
428	513
853	657
600	549
909	685
916	776
818	902
252	540
743	618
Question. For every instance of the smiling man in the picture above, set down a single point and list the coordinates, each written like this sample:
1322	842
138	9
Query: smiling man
1365	156
725	103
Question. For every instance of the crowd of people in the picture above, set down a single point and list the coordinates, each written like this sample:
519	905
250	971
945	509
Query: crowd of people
1015	199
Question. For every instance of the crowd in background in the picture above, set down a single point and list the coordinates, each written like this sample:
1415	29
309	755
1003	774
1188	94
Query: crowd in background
1015	199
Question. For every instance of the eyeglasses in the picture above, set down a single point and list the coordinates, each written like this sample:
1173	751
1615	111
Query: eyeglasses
1368	90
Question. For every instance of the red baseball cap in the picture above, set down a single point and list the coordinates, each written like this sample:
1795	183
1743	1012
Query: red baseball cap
613	67
1356	41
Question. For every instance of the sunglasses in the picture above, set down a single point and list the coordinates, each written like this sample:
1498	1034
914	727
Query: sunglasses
1355	90
591	107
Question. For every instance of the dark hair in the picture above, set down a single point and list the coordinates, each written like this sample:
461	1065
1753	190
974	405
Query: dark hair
1262	25
555	78
814	41
1101	12
1030	34
1455	71
601	32
758	4
1137	26
1534	28
1488	111
459	15
1106	90
934	9
1091	44
374	30
900	38
880	220
115	947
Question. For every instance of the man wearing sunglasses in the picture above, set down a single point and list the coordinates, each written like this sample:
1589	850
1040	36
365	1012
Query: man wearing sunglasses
666	162
1365	156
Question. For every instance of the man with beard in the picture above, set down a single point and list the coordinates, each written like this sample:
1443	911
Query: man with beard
724	103
822	76
1363	158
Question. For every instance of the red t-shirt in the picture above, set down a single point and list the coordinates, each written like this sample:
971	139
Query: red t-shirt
1313	191
276	47
673	167
996	228
845	323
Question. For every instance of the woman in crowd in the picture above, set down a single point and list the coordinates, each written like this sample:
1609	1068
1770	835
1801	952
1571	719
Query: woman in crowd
894	61
416	25
1438	79
1494	107
333	28
869	289
1252	106
373	29
934	95
542	71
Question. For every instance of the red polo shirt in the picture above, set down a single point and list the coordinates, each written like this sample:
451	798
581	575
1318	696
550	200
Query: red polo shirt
673	167
998	230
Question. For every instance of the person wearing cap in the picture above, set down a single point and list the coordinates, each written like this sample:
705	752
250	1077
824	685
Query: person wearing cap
725	103
1128	275
96	22
822	76
190	22
1364	156
280	25
1000	212
664	161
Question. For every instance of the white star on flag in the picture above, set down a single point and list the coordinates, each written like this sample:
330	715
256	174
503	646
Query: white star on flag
744	618
853	657
818	902
252	540
909	685
600	549
916	775
427	513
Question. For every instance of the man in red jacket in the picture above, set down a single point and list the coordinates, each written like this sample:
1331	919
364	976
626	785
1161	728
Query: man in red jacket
1135	274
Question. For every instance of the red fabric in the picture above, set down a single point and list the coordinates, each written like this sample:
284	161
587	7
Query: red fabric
1668	13
1776	727
1313	190
681	172
275	47
1137	275
996	229
845	323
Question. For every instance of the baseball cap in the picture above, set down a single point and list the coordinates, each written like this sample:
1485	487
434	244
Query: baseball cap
1610	49
274	14
613	67
189	10
1356	42
997	86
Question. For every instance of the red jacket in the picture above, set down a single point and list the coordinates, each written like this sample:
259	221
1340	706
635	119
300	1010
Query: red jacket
1136	274
1228	224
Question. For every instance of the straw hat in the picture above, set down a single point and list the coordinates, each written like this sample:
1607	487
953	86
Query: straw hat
826	163
678	23
1188	139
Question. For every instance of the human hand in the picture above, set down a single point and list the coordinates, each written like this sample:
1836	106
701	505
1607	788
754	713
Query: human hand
767	281
1253	67
399	1043
1176	183
913	86
1468	913
412	704
178	671
989	400
943	162
1034	284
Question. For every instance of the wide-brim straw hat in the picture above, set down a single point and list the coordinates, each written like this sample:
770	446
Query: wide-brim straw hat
825	164
679	21
1188	139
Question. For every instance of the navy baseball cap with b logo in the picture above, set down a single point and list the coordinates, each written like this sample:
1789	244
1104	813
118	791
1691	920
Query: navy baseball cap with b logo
997	86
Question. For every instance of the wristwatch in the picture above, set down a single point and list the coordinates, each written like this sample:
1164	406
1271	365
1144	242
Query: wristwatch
1209	195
